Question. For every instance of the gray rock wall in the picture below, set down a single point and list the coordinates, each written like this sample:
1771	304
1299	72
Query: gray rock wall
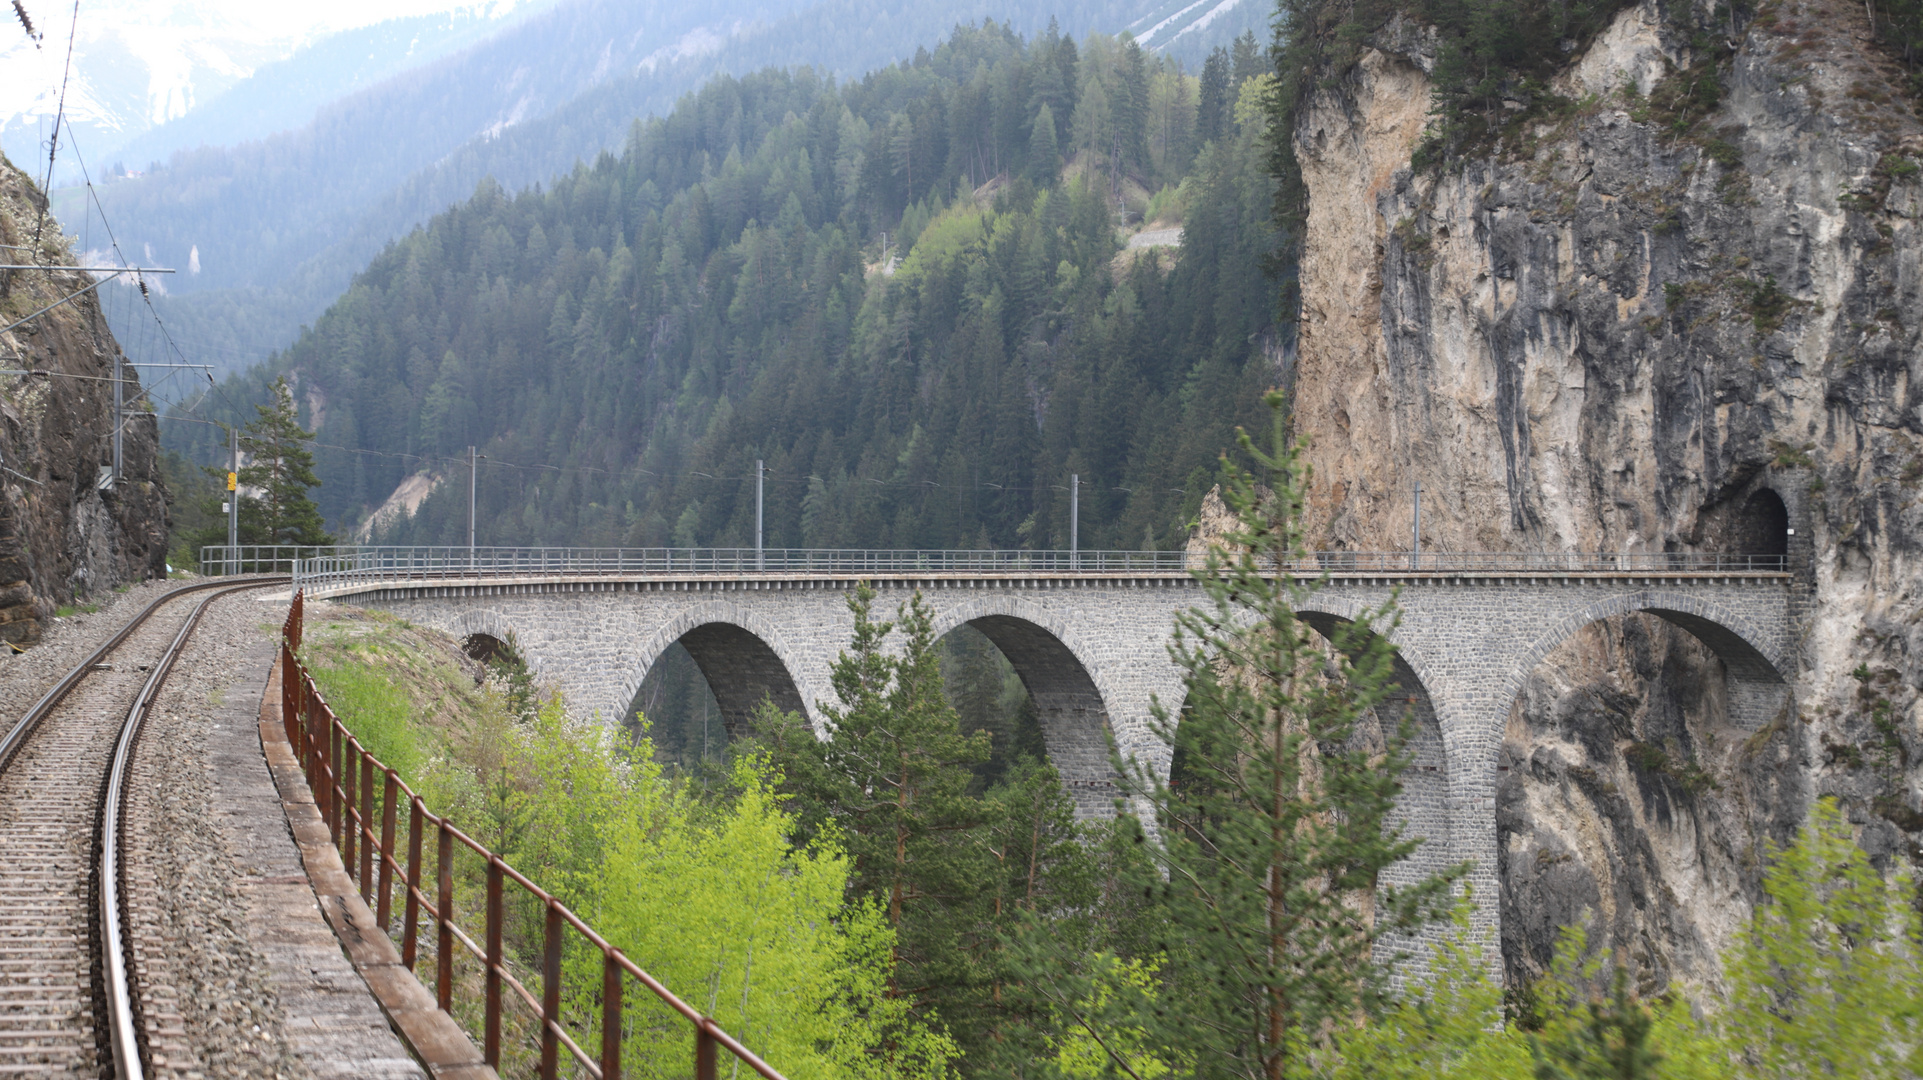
1605	335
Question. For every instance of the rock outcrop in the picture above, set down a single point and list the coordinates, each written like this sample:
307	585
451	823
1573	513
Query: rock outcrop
66	529
1622	332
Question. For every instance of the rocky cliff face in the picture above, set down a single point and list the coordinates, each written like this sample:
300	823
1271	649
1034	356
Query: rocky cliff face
63	532
1630	329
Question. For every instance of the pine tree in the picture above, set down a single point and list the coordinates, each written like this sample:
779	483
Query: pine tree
892	776
282	470
1212	109
1275	841
1246	62
1044	147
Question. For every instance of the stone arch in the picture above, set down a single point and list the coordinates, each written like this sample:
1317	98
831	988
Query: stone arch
1069	694
1425	799
1753	661
473	622
743	657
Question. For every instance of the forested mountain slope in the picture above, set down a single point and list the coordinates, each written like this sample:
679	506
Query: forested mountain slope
282	224
626	343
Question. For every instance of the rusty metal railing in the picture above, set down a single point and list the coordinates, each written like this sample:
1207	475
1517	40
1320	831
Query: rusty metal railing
344	775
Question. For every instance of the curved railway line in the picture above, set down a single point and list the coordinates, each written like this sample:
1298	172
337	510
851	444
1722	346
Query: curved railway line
68	1006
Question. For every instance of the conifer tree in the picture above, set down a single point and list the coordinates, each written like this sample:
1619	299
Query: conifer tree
282	470
1044	148
893	776
1212	106
1274	843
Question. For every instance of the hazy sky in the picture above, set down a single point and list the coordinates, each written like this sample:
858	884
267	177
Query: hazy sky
172	53
248	18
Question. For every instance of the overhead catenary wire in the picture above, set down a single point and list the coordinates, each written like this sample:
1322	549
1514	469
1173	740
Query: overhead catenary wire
59	117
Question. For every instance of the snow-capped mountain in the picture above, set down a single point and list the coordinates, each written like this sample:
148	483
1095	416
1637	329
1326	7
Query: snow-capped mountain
138	66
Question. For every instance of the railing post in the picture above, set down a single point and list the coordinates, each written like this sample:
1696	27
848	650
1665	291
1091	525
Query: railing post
491	1052
703	1052
366	828
551	994
444	922
290	702
411	918
350	807
334	792
386	886
610	1018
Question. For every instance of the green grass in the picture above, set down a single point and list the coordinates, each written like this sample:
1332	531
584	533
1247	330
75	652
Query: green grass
375	707
68	611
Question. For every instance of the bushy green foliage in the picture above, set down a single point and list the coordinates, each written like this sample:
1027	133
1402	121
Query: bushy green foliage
653	323
1827	980
706	890
952	867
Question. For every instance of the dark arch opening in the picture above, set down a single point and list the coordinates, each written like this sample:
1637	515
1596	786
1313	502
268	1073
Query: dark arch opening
1762	529
703	690
1073	718
484	648
1423	807
1610	758
988	695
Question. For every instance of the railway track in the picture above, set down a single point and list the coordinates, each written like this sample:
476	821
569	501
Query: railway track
67	1006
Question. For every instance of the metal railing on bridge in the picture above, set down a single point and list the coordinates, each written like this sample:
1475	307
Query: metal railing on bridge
348	566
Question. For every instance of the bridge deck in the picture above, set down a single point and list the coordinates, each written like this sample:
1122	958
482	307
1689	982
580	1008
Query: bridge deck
322	586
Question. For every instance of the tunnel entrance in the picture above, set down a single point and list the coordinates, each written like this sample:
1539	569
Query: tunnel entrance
1762	530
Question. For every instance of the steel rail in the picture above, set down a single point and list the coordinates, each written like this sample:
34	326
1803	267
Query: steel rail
11	742
113	947
108	935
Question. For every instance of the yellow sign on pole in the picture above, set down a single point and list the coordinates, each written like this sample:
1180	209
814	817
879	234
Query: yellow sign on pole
232	479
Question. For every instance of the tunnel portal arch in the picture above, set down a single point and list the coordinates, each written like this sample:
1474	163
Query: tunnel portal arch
1761	529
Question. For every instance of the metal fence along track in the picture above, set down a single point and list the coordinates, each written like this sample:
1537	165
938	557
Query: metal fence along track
362	801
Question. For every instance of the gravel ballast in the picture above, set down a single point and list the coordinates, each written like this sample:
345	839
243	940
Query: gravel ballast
237	972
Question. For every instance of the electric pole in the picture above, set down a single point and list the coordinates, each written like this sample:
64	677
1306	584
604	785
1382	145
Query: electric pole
120	413
760	561
233	496
1074	520
473	467
1415	536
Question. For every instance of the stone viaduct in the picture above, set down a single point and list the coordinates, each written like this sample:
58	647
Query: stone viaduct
1092	650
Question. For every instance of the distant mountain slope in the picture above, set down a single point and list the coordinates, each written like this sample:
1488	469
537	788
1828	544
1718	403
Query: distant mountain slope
625	342
281	225
286	94
1188	30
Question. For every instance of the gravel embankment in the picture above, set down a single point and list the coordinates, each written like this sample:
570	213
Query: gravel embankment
209	1004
